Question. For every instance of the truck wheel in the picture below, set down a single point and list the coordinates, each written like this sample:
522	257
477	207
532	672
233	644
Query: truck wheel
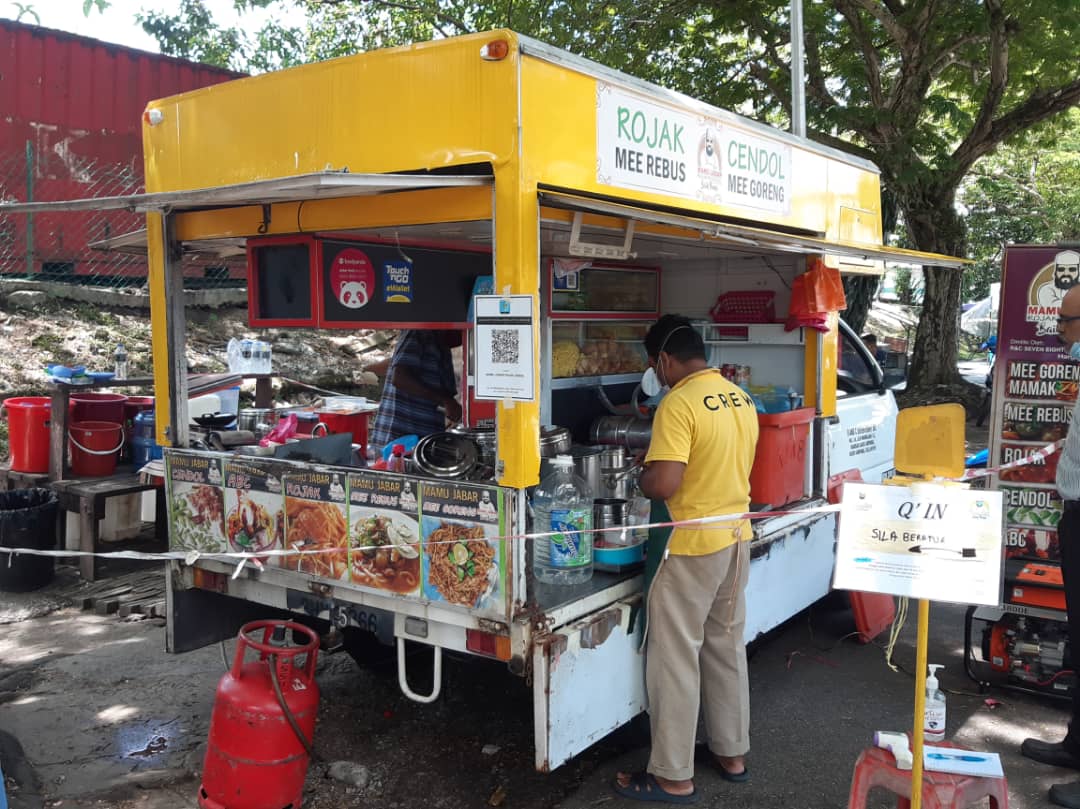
366	650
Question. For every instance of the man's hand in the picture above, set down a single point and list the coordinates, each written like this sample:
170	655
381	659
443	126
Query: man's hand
453	409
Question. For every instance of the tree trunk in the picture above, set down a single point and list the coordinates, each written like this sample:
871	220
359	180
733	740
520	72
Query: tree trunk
937	335
932	375
859	291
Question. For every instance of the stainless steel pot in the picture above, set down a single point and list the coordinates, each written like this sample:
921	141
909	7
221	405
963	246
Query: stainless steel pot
446	455
618	483
626	431
612	458
607	513
587	465
554	441
249	418
483	437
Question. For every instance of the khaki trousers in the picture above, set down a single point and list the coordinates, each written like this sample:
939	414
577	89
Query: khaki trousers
696	658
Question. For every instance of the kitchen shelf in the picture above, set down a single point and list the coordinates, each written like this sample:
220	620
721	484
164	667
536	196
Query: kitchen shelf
562	383
749	333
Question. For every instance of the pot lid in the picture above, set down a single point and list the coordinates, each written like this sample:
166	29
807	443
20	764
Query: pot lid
445	455
475	433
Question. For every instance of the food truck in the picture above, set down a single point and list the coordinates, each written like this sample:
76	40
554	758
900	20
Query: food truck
550	209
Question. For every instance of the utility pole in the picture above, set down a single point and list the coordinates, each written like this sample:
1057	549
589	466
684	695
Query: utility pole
798	80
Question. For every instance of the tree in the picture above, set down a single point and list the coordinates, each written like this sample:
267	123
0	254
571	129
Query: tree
923	88
1026	193
192	33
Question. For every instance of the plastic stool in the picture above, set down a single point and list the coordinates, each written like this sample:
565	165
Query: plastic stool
941	790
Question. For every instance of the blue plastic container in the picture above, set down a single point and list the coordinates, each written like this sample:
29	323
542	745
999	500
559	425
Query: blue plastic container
144	446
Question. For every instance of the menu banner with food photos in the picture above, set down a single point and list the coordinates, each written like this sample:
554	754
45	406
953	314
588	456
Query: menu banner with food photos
384	533
316	518
393	534
463	562
254	508
1035	386
195	502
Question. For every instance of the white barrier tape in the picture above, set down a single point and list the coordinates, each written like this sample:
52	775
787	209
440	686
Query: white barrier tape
1038	455
242	557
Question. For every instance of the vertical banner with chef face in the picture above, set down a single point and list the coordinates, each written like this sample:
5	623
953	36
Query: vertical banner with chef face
384	532
316	520
195	500
1035	386
463	562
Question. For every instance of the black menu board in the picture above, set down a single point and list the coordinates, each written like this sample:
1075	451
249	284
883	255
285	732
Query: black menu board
280	284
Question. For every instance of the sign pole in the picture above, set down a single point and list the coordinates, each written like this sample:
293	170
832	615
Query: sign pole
920	704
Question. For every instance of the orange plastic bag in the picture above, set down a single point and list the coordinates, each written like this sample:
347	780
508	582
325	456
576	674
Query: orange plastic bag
814	294
817	291
825	290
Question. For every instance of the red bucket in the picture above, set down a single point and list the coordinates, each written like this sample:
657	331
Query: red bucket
28	433
346	422
95	446
98	407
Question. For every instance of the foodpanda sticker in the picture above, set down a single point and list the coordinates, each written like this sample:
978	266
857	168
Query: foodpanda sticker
1047	289
352	278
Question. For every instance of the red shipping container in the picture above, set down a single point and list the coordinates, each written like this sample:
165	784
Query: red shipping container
778	476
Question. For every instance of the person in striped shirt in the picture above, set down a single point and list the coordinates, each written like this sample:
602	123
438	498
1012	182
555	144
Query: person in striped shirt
419	394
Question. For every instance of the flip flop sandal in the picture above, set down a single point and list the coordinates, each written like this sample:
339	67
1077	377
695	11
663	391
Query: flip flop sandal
644	787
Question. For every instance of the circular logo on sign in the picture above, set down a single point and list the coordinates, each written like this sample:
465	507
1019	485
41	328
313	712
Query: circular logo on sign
352	278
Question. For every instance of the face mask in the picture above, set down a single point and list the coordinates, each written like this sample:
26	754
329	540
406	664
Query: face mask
650	383
1074	352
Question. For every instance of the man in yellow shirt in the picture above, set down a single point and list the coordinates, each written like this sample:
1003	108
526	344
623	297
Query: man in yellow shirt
704	437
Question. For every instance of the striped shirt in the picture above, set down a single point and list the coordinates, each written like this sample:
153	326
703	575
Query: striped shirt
427	356
1068	468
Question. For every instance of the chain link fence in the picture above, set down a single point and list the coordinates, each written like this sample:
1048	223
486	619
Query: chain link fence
92	248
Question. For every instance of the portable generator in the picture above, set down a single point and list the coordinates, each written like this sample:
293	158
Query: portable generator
1034	584
1025	643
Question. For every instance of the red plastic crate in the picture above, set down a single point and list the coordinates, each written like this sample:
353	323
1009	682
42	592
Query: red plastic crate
744	306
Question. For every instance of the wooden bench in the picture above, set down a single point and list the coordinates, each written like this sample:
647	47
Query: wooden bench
86	497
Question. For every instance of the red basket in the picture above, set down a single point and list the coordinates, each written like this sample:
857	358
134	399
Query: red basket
744	306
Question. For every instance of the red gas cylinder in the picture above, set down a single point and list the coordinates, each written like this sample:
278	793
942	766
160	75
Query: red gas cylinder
254	759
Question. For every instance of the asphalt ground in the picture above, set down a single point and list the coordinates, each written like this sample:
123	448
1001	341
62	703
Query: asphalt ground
106	719
817	697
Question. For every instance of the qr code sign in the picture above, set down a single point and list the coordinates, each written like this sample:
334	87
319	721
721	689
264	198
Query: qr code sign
505	345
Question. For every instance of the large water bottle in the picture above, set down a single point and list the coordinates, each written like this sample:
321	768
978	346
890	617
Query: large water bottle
563	502
232	355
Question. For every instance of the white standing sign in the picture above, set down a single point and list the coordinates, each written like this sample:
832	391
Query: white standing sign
654	147
927	541
505	352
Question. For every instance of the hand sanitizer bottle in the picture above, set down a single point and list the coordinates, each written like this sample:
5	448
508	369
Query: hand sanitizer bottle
934	724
